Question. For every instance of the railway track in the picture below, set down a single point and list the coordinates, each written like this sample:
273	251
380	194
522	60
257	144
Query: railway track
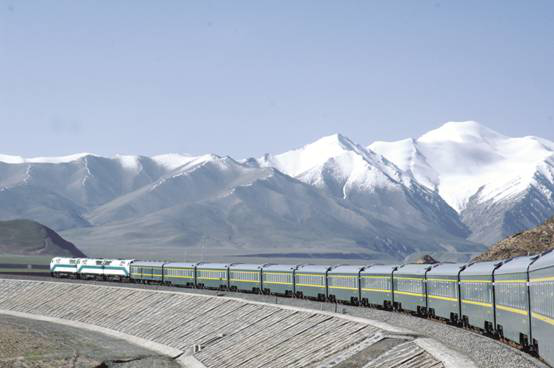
487	352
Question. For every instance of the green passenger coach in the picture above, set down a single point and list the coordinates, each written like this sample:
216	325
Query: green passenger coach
511	288
180	274
245	277
311	281
443	291
278	279
376	285
212	276
477	295
343	284
541	283
409	288
147	272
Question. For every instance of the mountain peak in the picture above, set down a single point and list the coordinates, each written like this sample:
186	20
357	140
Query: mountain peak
462	131
334	141
297	161
44	160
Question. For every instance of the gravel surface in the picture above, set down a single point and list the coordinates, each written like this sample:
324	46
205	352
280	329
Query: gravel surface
486	352
28	343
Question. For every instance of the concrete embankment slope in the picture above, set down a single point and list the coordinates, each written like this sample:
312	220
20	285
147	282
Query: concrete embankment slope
216	331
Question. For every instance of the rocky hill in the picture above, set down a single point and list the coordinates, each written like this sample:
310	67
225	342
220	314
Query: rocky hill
25	237
534	241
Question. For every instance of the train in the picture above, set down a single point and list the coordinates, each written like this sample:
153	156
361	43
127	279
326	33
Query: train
512	299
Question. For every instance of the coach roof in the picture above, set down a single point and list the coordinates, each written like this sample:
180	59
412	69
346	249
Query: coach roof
148	263
313	268
545	260
447	269
481	268
346	269
515	265
379	269
181	264
279	267
413	269
212	265
245	266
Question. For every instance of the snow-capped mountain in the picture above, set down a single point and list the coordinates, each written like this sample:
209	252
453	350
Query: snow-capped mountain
499	185
60	191
366	179
442	194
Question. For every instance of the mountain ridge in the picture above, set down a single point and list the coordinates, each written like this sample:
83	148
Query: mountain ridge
329	196
495	177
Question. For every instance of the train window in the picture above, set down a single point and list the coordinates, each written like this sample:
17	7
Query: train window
245	275
343	281
376	282
277	278
477	291
542	295
512	294
212	274
410	285
445	288
304	279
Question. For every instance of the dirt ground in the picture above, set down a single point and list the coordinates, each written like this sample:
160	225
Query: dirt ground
36	344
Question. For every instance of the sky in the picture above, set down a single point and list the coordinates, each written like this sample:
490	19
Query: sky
243	78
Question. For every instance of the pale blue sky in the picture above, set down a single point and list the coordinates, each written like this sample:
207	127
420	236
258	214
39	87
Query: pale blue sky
247	77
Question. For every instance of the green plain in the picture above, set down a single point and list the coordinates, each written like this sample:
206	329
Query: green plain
24	260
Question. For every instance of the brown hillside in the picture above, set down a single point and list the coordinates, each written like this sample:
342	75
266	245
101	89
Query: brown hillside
533	241
426	259
25	237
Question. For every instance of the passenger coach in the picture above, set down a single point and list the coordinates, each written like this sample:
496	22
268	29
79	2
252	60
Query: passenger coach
343	283
376	286
477	295
409	288
212	276
278	279
245	277
311	281
443	291
511	290
147	272
180	274
541	282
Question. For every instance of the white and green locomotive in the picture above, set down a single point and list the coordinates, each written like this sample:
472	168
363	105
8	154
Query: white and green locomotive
87	268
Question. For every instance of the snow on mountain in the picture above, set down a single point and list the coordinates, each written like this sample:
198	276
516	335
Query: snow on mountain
339	155
171	161
203	178
351	172
441	193
85	180
473	167
44	160
234	207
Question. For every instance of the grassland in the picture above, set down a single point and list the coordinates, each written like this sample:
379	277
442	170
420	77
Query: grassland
20	264
24	260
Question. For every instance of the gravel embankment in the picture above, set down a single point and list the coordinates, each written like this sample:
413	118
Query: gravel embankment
28	343
486	352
